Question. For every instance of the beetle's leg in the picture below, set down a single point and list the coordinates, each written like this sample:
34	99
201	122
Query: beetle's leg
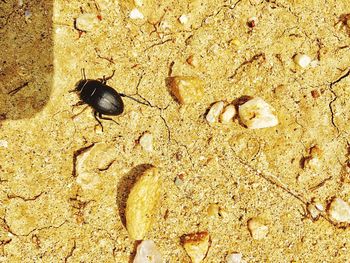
107	119
79	103
104	78
132	98
99	122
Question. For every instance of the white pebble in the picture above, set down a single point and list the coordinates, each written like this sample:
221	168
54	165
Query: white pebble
86	22
136	14
257	114
3	143
183	19
319	206
339	211
234	258
257	228
302	60
146	142
147	252
228	113
215	112
27	14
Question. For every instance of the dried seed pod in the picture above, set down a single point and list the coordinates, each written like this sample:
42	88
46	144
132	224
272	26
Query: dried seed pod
141	203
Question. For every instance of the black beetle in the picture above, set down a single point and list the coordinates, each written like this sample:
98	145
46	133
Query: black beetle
102	98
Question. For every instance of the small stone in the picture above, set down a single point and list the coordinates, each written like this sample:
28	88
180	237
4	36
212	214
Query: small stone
228	113
193	61
319	206
147	252
183	19
179	179
313	161
302	60
257	228
186	89
313	211
146	141
3	143
196	245
213	210
339	210
136	14
257	114
86	22
252	21
315	94
235	43
215	111
27	14
234	258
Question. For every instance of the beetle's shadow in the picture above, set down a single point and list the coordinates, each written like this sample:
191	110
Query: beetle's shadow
124	186
26	59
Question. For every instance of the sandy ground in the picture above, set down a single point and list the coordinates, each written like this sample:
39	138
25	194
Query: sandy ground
58	208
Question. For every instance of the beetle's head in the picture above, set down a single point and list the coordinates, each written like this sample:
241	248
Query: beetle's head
80	85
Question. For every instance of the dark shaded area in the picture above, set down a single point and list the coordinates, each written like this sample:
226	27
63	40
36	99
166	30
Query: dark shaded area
26	57
124	186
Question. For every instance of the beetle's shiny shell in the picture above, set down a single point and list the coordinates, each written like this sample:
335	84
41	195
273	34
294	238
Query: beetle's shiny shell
101	97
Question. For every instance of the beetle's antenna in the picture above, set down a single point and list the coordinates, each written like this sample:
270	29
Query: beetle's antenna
132	98
83	73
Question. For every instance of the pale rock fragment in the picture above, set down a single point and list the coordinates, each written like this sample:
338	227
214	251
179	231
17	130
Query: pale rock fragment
213	210
234	258
257	114
339	210
186	89
183	19
136	14
313	161
228	113
257	228
196	245
3	143
313	211
147	252
215	111
146	142
86	22
302	60
193	61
